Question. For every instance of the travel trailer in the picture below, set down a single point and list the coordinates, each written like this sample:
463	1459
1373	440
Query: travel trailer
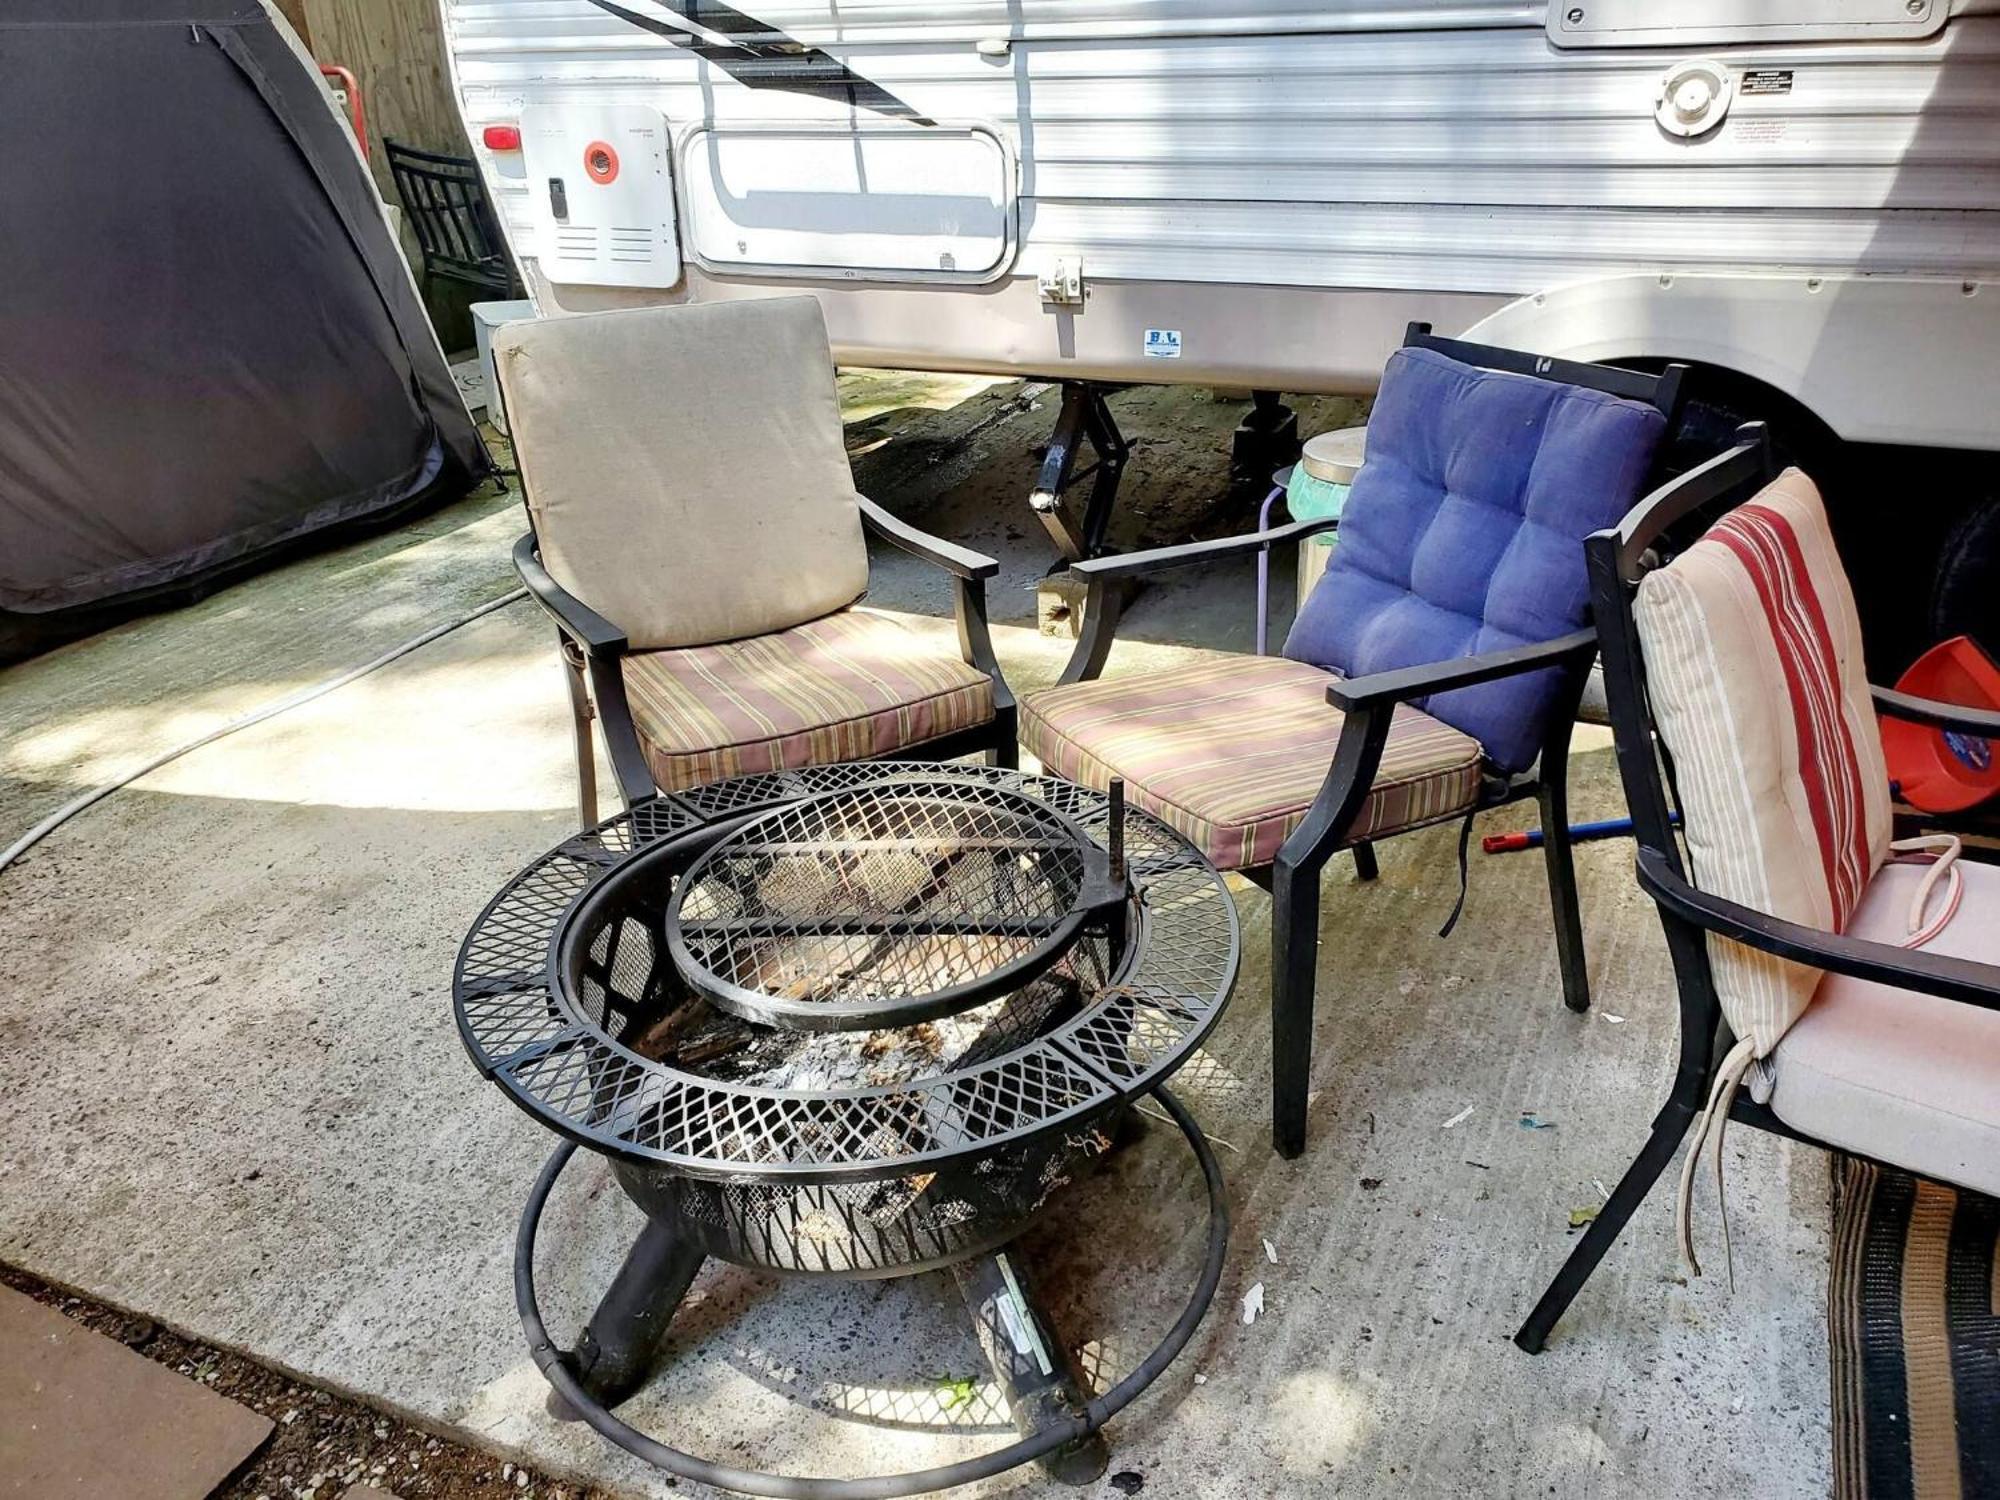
1801	198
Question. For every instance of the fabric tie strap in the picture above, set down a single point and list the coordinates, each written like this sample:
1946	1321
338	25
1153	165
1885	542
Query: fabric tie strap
1944	849
1464	874
1709	1127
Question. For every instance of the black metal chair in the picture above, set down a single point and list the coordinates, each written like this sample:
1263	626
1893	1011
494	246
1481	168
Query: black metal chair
1360	730
699	544
594	652
1618	560
454	221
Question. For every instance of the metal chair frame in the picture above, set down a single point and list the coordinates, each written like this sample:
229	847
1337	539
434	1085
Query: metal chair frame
453	219
1368	703
1617	560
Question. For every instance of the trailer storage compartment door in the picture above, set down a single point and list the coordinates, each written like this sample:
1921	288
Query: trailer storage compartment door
891	203
601	194
1703	23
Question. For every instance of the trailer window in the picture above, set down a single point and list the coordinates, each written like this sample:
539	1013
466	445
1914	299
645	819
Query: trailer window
899	202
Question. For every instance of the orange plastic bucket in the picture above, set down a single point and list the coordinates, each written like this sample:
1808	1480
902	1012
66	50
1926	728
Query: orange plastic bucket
1940	770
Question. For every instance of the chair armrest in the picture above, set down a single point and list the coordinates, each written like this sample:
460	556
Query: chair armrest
1158	559
1405	683
1108	576
1960	979
573	617
1894	705
960	562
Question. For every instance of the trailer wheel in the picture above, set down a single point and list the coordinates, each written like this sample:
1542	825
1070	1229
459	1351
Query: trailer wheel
1718	401
1918	529
1965	599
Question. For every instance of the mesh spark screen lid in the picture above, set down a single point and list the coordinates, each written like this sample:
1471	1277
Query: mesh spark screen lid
534	1033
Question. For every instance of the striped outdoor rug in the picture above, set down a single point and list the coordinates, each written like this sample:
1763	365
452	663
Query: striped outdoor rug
1913	1313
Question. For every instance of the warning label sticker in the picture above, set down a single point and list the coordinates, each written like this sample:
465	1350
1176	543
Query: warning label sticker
1750	132
1765	81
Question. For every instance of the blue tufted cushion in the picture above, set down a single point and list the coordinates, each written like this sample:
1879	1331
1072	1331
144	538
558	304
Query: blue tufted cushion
1463	533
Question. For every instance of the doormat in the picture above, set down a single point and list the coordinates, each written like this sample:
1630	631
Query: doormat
1913	1318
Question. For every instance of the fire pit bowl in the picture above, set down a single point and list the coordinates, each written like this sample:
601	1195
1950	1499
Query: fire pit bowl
858	1020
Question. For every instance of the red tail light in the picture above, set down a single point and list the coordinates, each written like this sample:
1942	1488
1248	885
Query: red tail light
502	137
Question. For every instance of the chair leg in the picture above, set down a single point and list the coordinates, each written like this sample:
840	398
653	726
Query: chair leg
580	714
1669	1127
1556	856
1364	861
1294	970
1295	916
1006	754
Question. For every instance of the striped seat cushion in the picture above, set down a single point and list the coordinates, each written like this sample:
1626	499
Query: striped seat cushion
1753	664
849	686
1233	752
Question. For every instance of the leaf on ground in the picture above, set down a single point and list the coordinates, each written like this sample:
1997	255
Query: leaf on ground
955	1393
1578	1217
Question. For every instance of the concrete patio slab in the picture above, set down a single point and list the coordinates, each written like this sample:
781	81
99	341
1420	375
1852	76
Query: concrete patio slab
96	708
237	1102
81	1415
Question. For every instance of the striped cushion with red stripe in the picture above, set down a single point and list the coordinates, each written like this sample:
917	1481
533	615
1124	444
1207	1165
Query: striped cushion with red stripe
1753	662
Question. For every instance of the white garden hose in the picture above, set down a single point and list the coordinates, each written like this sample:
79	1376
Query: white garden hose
96	795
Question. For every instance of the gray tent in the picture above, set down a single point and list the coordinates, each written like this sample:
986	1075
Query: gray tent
210	348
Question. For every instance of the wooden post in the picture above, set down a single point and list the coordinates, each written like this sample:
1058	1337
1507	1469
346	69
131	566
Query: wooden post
395	49
295	12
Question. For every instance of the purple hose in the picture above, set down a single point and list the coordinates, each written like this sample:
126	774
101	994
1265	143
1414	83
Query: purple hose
1264	568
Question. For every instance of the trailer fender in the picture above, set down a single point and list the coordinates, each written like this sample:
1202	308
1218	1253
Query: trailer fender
1878	359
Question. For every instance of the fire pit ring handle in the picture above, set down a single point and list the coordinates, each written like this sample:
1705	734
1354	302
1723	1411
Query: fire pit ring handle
1099	1410
1096	895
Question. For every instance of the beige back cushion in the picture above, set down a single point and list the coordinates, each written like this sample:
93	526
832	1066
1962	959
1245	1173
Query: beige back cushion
684	466
1753	663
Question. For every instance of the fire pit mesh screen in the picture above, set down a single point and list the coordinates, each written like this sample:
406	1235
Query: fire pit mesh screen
880	905
620	1054
768	788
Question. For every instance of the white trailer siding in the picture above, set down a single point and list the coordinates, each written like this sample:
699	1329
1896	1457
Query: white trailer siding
1287	182
1469	160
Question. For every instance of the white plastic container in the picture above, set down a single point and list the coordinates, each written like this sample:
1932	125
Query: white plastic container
487	316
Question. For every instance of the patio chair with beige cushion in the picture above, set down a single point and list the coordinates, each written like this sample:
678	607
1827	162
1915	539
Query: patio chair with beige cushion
699	543
1433	672
1835	986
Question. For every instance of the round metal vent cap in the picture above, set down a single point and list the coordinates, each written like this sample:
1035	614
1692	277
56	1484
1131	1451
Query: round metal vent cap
1694	96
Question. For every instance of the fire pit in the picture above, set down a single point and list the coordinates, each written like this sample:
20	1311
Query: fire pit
859	1020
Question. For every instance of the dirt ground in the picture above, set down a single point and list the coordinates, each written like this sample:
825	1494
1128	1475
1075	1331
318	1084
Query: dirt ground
1176	483
322	1443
